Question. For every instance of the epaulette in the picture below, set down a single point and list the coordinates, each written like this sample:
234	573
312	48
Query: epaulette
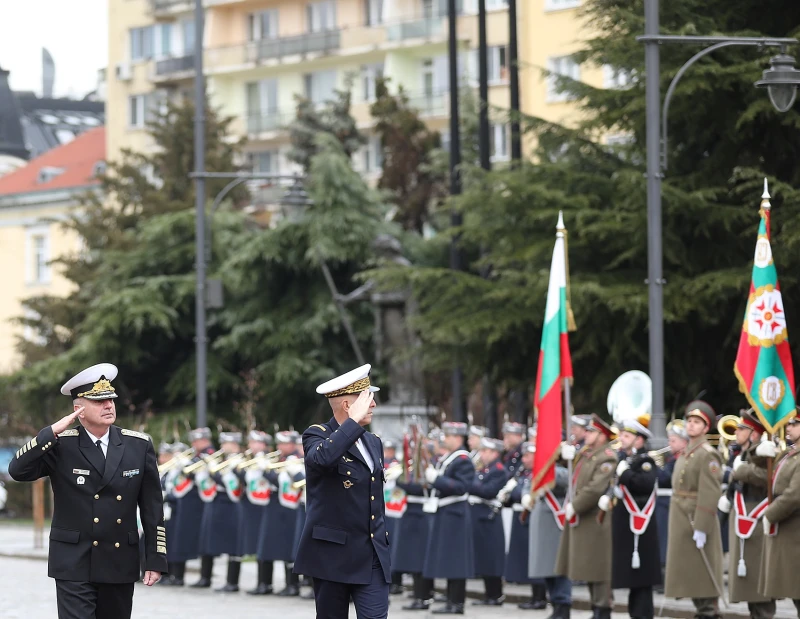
68	433
321	427
140	435
610	452
708	447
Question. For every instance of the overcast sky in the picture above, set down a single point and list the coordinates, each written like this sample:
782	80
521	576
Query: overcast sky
73	31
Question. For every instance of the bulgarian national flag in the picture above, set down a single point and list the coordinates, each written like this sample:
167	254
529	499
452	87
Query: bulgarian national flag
764	362
555	364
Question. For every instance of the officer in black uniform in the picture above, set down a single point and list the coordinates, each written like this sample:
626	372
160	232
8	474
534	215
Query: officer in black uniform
487	524
513	435
345	545
100	474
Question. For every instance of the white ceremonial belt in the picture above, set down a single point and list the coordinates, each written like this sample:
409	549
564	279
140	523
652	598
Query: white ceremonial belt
664	492
416	499
517	507
477	500
449	500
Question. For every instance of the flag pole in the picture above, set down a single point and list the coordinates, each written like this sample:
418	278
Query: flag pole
567	415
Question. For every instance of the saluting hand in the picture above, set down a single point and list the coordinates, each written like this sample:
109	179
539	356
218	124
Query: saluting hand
360	408
65	422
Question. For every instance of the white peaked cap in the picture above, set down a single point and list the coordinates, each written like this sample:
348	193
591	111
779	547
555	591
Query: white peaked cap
86	380
354	381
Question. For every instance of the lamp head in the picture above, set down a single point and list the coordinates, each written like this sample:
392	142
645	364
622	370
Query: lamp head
781	81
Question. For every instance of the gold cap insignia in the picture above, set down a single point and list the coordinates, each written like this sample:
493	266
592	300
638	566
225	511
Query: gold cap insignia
102	389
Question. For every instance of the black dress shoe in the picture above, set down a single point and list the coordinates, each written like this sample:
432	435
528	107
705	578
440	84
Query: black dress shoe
533	605
489	602
261	589
228	588
417	604
396	589
290	591
449	609
203	583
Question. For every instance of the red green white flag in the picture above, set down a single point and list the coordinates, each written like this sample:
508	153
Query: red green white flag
764	361
555	365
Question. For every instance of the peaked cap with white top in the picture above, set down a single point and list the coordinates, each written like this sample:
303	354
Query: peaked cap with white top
93	383
352	382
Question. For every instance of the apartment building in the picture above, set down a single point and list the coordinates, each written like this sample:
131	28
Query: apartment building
260	54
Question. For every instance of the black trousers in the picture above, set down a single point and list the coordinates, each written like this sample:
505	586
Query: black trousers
88	600
640	603
371	600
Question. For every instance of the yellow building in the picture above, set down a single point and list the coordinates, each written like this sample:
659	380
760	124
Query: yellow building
260	54
34	200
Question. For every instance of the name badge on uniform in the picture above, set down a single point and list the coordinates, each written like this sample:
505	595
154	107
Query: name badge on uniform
130	473
80	471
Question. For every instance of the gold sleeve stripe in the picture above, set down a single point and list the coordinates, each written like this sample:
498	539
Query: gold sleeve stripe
323	428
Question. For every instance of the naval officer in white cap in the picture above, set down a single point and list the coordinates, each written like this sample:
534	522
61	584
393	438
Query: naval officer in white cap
100	474
345	546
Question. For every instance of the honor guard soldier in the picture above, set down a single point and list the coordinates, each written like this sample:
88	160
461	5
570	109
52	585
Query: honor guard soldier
345	545
450	552
585	549
476	433
746	498
678	440
577	429
781	522
168	480
487	525
100	474
694	551
636	559
257	494
513	435
279	521
390	459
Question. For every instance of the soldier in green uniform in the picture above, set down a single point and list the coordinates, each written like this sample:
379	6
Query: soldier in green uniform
694	550
781	521
585	549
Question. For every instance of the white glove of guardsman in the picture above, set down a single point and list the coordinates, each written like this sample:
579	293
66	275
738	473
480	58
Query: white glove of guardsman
567	451
431	474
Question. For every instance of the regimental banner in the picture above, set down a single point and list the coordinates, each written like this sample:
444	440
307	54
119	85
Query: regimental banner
206	486
287	495
258	488
764	362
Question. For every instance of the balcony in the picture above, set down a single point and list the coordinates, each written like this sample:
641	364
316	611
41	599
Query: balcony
174	68
263	122
424	28
166	8
430	104
312	43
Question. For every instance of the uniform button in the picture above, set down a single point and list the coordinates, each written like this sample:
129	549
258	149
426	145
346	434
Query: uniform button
348	472
119	498
372	498
96	520
43	448
373	479
119	521
96	496
116	545
373	516
94	543
372	535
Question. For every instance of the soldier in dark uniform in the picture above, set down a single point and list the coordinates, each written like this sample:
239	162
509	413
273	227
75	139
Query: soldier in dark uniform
279	521
487	525
476	433
257	494
390	458
513	435
636	557
450	552
301	521
188	509
678	440
100	474
345	545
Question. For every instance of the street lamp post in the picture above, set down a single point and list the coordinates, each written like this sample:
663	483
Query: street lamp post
781	80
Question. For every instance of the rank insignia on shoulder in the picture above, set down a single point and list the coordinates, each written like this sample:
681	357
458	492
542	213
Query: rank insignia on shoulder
140	435
68	433
321	427
709	448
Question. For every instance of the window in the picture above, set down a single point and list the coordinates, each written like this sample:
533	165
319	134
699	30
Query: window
38	255
496	5
321	16
265	162
374	12
560	66
187	34
558	5
262	106
136	111
163	41
435	75
370	156
370	74
498	64
141	43
48	173
320	86
614	78
498	142
262	25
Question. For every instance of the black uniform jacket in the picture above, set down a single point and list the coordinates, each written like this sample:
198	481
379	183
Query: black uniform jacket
94	537
345	512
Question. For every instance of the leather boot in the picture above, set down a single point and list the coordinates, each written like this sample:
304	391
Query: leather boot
292	582
603	613
449	609
264	582
206	570
560	611
417	604
538	599
179	573
232	581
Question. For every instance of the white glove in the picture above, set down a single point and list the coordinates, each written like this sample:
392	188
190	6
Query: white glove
604	503
567	451
527	501
699	539
724	504
431	474
766	523
737	462
295	468
393	472
622	467
569	512
766	449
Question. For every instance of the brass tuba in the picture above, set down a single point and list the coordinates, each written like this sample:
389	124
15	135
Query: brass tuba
630	397
726	433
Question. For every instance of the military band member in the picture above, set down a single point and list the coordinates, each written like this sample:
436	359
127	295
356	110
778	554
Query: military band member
450	552
513	435
279	519
257	494
780	560
303	580
678	440
476	433
694	534
585	549
487	524
636	560
345	545
100	474
577	429
747	495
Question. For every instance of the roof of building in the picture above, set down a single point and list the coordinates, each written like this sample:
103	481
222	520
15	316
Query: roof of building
12	140
67	166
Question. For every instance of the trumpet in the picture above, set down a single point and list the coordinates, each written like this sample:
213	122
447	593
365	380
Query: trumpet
279	465
203	462
659	456
299	484
258	459
234	460
177	459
